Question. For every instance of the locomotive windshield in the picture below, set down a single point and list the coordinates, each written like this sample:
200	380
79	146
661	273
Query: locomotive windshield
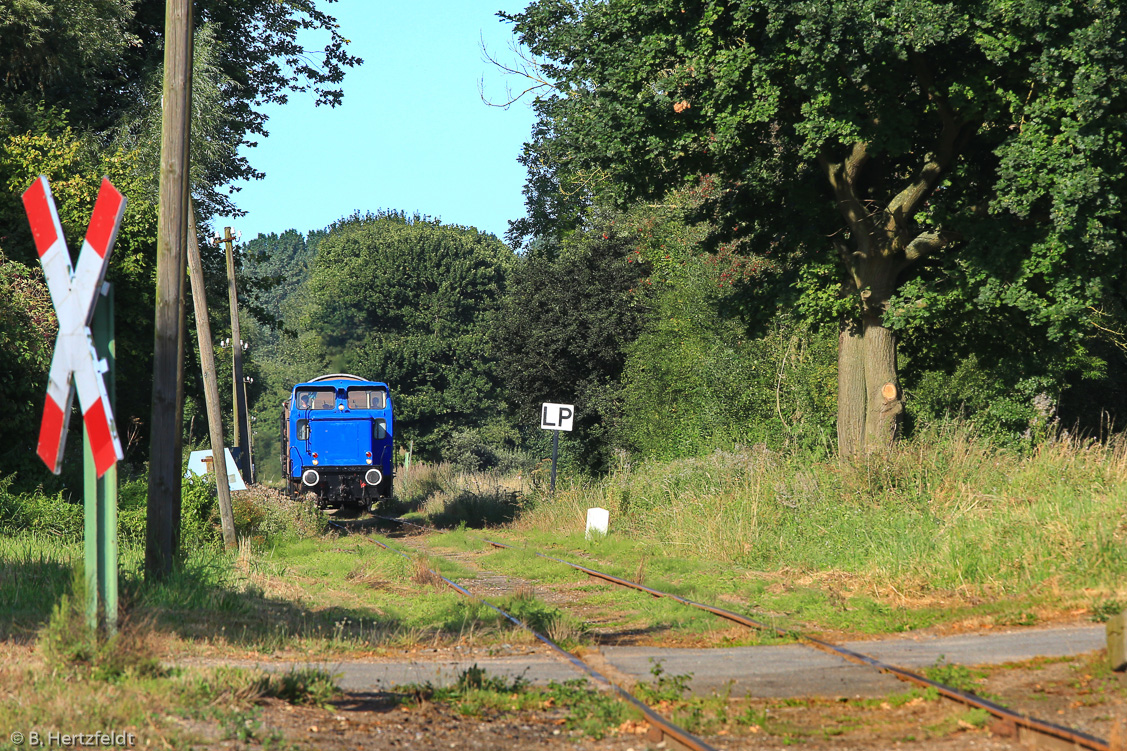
316	398
367	398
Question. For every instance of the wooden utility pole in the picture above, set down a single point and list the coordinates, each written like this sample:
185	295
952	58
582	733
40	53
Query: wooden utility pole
181	343
164	461
237	390
210	383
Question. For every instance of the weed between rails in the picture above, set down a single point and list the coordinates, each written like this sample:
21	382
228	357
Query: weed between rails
477	694
915	713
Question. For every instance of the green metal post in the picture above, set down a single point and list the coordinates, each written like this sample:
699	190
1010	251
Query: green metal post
101	493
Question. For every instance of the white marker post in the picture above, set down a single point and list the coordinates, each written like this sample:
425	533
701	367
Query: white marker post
556	417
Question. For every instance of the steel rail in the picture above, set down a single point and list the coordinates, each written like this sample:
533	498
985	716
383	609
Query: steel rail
679	734
1020	720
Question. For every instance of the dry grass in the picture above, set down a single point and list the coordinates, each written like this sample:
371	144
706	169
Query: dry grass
448	497
423	573
947	513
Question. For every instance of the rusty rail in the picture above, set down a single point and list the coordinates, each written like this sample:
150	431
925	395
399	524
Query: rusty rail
1027	722
679	734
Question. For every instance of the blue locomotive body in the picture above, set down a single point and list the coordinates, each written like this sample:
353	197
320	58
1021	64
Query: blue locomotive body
337	441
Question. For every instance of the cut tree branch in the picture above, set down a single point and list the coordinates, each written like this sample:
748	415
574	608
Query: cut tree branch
928	243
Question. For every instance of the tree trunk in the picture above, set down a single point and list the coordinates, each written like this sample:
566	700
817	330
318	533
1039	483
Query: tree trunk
851	393
883	242
883	398
869	399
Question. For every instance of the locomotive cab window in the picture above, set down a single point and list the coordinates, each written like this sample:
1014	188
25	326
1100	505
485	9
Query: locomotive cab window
303	430
379	429
366	398
316	398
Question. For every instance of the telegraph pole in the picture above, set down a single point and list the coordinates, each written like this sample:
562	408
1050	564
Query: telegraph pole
164	461
211	386
237	390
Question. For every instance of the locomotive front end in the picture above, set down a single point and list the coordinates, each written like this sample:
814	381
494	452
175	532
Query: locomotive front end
338	441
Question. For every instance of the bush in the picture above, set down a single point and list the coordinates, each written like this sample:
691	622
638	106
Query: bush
493	446
35	512
262	513
1009	412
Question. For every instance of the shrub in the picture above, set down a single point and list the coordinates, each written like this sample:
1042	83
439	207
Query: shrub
261	513
695	381
36	512
493	446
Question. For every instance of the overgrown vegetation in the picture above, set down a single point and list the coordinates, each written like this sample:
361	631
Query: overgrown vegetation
944	510
683	279
479	694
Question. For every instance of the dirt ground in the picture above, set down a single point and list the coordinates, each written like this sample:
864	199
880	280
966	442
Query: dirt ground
1074	693
1060	691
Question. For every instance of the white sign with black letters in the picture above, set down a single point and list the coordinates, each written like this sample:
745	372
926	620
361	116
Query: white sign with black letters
557	416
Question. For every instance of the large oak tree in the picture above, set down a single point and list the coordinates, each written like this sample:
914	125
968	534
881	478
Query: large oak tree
889	159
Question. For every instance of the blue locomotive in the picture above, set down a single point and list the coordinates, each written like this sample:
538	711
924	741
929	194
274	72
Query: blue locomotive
337	435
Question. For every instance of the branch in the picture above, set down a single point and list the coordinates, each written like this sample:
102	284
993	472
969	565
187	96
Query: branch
953	137
843	179
928	243
526	67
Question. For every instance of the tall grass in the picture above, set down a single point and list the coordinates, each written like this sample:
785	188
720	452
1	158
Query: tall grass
944	510
447	497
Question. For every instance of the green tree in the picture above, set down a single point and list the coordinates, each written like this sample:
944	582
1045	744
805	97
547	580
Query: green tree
896	167
562	331
406	300
81	99
27	338
274	267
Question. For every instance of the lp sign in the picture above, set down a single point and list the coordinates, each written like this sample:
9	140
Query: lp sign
556	417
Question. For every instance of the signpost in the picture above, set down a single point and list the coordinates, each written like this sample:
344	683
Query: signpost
75	294
556	417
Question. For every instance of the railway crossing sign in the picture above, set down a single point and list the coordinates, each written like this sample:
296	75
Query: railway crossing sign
74	293
557	416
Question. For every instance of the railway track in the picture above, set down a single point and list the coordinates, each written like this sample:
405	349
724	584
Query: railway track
666	729
1026	727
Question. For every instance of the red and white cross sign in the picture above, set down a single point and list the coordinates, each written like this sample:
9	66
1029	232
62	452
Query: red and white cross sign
74	294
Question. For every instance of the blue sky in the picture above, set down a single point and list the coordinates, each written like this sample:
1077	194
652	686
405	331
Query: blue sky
412	134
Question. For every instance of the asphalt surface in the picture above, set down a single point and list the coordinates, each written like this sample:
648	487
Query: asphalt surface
783	671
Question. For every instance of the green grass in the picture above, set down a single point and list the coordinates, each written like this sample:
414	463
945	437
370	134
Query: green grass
34	573
197	706
942	527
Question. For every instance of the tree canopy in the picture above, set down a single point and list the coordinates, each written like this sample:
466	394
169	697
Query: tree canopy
901	169
81	99
405	299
